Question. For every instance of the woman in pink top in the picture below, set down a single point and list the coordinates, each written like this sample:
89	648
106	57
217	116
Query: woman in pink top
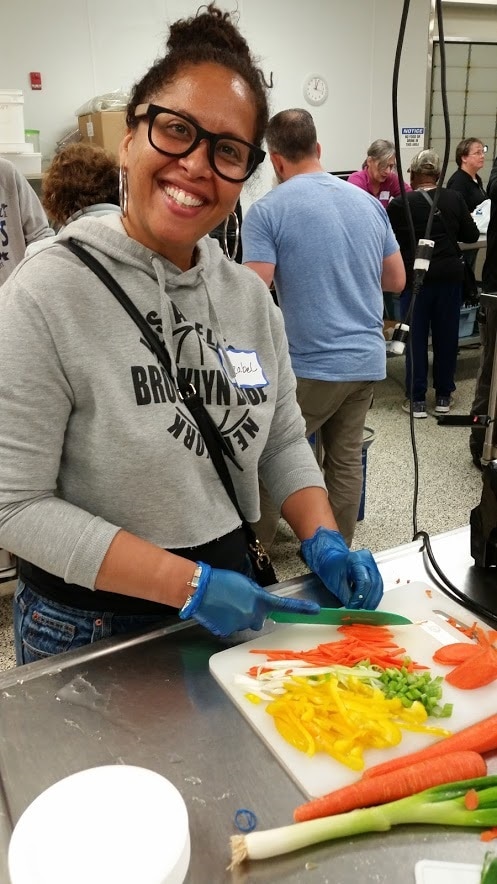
378	176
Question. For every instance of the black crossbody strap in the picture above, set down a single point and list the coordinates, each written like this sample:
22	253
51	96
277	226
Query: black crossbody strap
213	439
442	219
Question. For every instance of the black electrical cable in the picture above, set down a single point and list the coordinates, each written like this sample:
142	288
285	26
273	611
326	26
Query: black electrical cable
445	585
449	589
412	238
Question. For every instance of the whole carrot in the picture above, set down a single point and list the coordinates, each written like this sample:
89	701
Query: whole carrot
479	737
394	785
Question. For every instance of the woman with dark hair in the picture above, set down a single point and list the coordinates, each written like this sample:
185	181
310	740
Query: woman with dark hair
378	174
470	159
108	493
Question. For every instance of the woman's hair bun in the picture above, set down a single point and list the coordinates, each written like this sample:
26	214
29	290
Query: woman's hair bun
212	27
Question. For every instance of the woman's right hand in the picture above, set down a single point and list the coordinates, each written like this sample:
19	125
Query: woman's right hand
226	602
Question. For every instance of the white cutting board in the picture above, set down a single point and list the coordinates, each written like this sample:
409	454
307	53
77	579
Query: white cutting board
320	774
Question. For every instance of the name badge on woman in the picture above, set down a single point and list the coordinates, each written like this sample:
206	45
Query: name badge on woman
247	368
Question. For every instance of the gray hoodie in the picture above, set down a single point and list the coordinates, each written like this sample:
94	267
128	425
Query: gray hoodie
93	435
22	219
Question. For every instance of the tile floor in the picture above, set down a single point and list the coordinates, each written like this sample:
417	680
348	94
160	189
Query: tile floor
449	484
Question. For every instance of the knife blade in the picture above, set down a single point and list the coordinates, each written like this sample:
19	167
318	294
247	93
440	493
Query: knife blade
339	616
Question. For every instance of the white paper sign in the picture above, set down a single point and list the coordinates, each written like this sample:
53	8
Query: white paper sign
412	136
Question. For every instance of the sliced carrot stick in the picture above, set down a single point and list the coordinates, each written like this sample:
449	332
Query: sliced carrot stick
466	630
450	655
480	737
360	642
475	672
391	786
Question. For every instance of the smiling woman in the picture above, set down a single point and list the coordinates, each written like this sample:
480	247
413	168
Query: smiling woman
109	493
192	164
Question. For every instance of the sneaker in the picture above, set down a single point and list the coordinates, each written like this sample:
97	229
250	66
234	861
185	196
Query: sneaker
442	404
418	408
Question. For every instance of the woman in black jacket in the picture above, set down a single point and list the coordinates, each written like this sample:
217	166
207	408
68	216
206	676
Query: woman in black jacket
438	303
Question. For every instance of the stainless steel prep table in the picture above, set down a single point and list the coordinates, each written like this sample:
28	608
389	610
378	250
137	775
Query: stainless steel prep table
151	701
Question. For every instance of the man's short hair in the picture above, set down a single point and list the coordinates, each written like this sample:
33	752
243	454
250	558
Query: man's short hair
464	148
292	134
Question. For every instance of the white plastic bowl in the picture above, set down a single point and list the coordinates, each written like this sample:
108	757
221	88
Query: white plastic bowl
114	824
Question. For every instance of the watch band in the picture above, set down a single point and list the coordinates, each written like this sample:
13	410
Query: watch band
196	578
194	582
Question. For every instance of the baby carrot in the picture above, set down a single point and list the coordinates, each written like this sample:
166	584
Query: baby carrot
479	737
397	784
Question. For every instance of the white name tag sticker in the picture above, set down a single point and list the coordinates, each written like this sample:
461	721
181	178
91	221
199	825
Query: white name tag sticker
248	369
384	195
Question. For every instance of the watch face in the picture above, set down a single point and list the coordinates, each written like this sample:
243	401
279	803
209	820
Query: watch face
315	89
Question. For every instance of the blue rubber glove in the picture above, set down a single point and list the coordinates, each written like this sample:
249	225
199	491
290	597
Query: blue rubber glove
353	577
226	602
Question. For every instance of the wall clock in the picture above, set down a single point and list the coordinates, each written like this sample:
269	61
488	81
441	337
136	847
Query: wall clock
315	89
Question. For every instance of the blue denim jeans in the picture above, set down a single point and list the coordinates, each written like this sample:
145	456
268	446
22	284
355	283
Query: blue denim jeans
43	628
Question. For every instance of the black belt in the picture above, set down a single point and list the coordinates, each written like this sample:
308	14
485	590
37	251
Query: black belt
229	551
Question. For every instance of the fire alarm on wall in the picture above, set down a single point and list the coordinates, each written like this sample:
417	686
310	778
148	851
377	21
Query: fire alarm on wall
35	79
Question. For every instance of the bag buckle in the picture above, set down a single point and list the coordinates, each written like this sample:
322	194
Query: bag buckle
261	558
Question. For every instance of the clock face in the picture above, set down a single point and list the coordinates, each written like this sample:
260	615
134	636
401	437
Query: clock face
315	89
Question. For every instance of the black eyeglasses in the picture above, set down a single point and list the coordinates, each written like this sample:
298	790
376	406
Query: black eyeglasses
175	135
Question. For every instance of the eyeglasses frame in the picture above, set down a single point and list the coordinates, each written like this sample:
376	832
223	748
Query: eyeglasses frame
151	111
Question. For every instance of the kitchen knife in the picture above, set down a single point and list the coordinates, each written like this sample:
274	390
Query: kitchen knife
339	616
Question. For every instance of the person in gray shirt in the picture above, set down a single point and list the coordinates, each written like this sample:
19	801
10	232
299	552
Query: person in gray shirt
22	221
22	218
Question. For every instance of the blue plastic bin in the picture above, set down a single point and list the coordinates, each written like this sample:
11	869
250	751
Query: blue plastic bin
467	321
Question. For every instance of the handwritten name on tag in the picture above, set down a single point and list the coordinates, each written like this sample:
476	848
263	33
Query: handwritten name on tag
248	369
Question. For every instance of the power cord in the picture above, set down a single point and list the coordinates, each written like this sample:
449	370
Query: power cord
448	587
422	251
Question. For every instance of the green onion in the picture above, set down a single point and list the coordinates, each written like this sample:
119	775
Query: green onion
442	805
489	871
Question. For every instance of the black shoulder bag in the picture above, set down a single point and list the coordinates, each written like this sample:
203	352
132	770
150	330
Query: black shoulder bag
469	284
215	443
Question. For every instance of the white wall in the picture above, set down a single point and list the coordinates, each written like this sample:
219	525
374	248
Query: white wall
86	47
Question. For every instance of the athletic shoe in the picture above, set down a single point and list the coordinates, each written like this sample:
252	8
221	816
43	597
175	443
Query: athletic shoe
442	404
418	408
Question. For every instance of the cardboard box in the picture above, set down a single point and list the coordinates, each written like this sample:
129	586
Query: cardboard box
104	128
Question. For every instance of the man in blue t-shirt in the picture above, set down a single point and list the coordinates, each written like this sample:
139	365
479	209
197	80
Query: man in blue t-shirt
331	252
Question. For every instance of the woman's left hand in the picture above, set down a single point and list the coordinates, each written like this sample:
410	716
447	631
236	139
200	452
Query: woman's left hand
353	577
